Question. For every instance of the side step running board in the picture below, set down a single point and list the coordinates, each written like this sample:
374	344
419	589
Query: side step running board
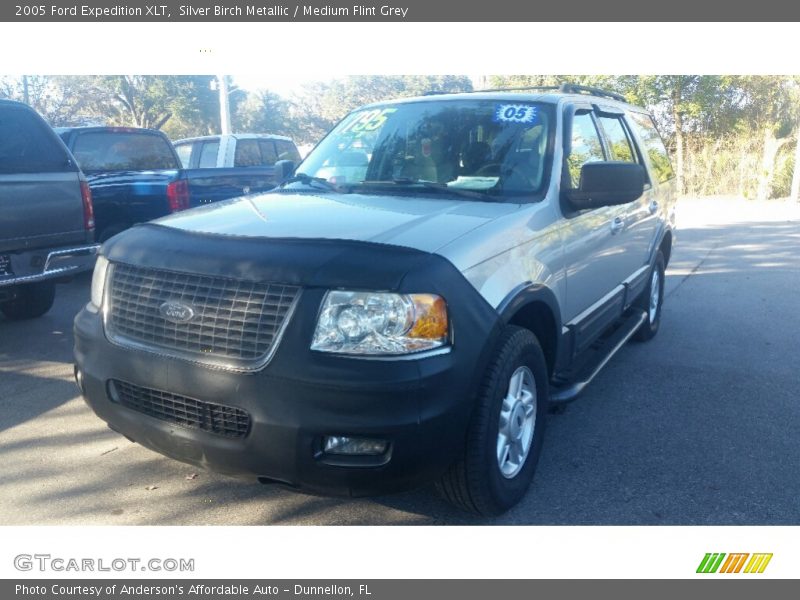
608	348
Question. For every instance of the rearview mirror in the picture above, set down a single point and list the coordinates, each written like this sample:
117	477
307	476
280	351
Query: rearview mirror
284	169
607	183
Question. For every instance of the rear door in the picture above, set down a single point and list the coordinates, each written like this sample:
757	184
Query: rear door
639	216
40	196
661	192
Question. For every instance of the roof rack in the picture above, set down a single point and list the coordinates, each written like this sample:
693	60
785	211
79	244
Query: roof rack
572	88
525	88
564	88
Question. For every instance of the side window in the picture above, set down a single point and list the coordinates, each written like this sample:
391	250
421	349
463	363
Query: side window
268	154
287	151
184	152
26	146
208	155
247	154
585	146
653	145
619	142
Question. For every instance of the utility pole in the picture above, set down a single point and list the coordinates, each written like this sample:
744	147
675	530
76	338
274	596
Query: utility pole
224	105
795	193
25	94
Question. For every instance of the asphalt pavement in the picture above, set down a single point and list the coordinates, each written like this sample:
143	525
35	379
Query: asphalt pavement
700	426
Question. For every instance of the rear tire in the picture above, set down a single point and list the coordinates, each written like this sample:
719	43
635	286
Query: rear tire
650	301
32	300
504	437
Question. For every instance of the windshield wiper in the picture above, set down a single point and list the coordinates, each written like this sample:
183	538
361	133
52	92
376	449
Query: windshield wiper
310	181
433	185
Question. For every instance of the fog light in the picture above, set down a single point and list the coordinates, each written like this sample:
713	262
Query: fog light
349	445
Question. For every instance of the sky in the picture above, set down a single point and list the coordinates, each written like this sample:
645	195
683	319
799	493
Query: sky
285	85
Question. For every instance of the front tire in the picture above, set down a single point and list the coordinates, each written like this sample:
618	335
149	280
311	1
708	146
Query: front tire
32	300
504	438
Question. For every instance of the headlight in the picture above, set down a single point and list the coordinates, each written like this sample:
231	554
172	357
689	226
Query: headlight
99	280
380	323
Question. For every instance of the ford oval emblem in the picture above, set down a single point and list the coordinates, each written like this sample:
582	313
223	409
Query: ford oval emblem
176	312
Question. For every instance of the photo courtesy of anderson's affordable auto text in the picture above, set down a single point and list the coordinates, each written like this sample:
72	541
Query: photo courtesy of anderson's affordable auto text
362	289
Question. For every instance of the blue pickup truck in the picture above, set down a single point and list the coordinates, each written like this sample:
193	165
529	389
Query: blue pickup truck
135	175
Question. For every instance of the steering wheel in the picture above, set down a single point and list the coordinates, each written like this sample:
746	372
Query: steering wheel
490	170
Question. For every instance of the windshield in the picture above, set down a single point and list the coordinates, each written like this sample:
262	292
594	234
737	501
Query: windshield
118	151
486	148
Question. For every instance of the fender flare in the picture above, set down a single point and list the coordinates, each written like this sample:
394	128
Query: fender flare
529	293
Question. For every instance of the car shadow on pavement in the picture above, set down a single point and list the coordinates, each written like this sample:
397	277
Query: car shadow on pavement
25	396
697	426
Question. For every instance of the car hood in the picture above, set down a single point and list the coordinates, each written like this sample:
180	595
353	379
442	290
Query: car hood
422	222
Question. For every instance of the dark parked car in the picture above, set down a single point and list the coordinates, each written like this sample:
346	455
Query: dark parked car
46	220
135	176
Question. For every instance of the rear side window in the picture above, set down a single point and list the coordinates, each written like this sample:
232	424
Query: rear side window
247	154
123	151
26	146
653	145
208	155
287	151
268	154
184	152
619	142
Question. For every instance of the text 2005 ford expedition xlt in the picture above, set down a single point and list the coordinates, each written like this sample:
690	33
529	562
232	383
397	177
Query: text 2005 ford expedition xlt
401	310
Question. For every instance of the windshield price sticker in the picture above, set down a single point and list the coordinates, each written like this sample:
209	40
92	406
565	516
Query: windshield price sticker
367	121
515	113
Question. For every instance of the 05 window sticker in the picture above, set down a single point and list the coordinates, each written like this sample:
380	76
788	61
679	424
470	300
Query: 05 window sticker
515	113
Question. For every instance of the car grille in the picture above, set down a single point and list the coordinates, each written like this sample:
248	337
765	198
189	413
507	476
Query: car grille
219	419
235	323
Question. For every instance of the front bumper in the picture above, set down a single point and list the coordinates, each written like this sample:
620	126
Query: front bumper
421	407
34	266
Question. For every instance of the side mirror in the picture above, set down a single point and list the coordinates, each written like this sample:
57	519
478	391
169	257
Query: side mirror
284	169
607	183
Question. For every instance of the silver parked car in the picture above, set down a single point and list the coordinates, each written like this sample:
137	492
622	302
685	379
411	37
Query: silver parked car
403	309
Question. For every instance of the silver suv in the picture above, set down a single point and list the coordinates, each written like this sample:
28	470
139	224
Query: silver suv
402	309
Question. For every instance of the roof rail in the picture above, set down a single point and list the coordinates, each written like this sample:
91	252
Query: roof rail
520	89
564	88
572	88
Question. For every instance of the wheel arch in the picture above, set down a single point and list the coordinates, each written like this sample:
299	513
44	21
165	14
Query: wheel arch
535	307
665	245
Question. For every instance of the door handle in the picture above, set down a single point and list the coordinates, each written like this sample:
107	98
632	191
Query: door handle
653	207
617	225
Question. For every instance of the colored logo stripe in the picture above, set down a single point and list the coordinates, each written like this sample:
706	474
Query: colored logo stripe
733	564
758	563
710	562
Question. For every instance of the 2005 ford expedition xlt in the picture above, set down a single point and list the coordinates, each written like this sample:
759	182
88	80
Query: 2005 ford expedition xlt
399	311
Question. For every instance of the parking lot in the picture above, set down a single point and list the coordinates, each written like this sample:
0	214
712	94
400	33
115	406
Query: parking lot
699	426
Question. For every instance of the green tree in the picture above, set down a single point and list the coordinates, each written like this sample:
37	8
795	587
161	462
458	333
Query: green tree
320	105
771	108
62	100
187	103
264	112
